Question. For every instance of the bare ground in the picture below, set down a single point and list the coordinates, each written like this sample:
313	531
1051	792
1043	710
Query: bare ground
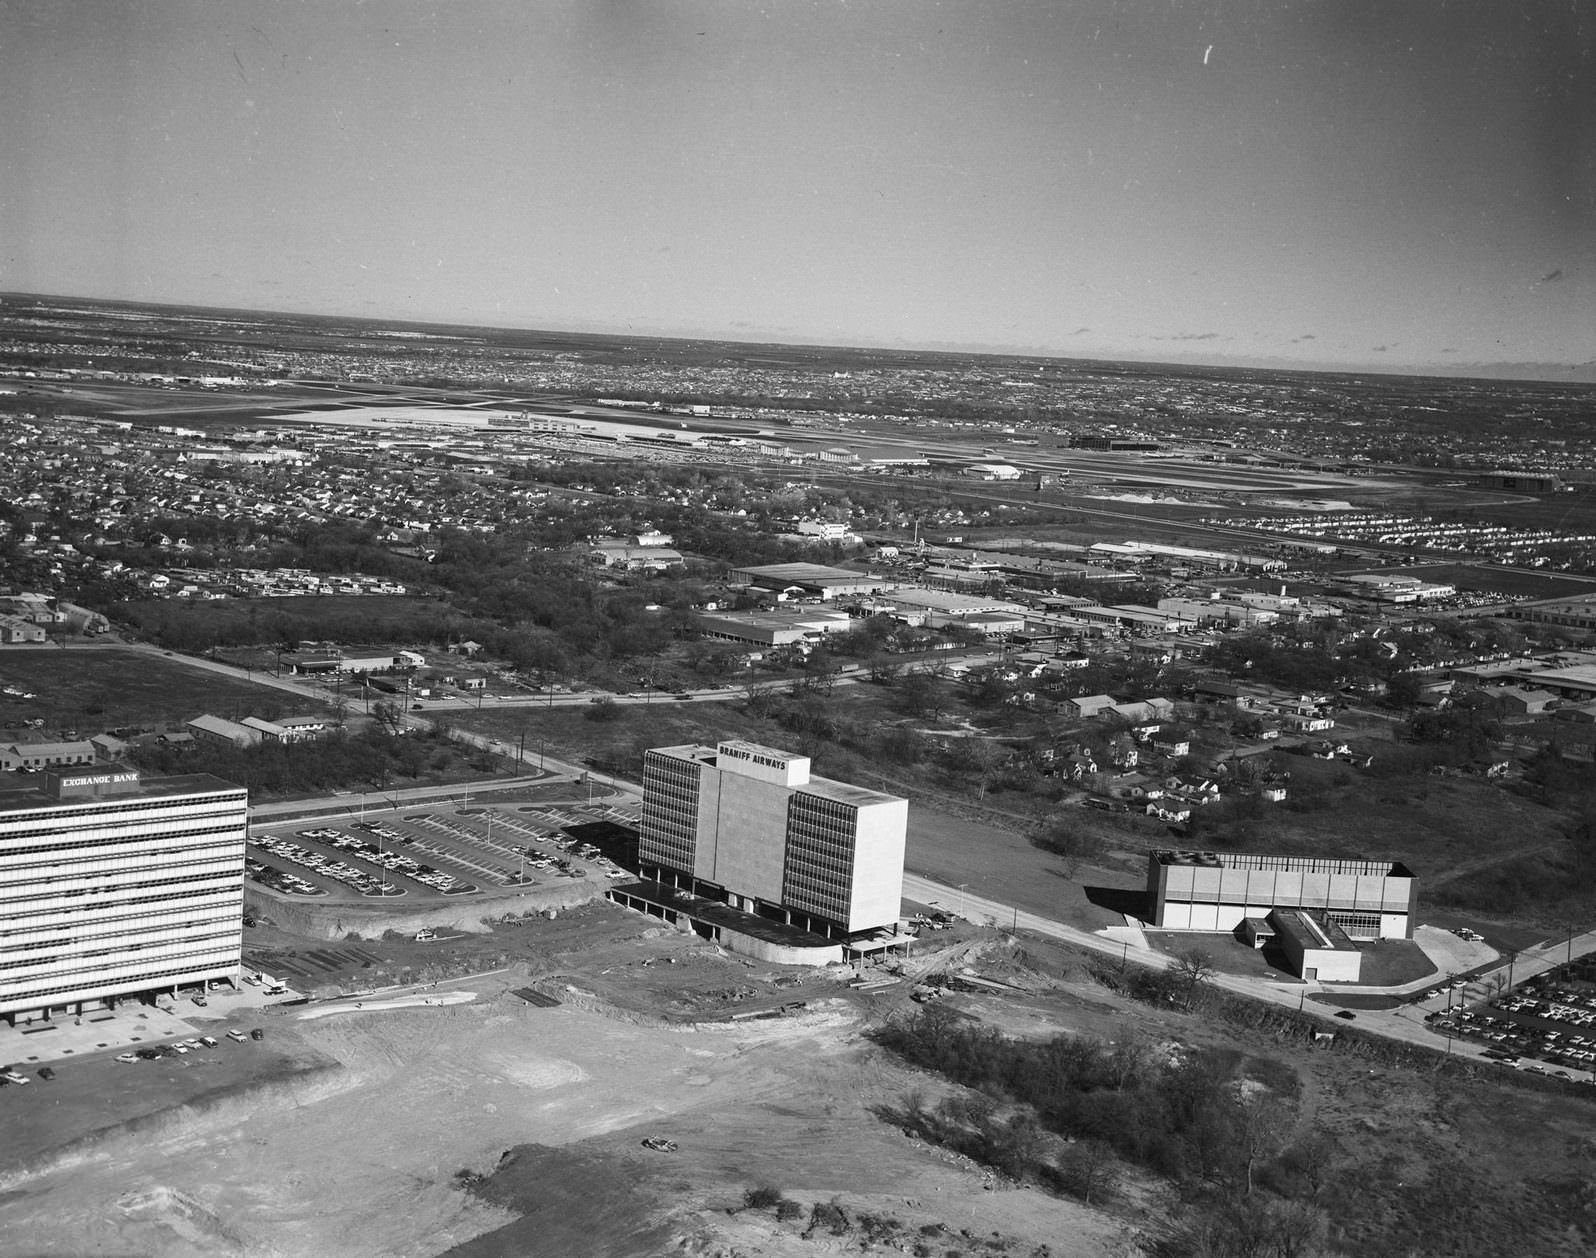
365	1161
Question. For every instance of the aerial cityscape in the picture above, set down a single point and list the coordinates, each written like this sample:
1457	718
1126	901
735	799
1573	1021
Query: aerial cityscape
602	654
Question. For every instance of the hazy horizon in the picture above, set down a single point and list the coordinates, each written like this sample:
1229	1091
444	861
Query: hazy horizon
1352	187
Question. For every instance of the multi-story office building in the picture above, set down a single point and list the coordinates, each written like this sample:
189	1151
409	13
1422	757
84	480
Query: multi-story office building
113	887
749	825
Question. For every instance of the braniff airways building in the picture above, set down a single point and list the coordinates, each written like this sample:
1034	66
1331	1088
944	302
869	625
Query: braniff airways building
113	886
751	827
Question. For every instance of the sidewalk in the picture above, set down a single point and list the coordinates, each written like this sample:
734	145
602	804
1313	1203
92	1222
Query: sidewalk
128	1026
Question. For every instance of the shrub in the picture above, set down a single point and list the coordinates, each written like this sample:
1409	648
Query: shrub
763	1197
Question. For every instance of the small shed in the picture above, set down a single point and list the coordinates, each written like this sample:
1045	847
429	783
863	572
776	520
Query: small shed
1256	932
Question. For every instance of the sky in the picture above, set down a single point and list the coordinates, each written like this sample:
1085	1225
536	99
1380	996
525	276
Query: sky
1381	184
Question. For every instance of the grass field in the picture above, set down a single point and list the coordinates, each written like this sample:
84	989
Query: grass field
1441	828
98	688
360	621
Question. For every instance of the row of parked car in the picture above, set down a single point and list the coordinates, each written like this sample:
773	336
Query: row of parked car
393	861
360	880
1559	1004
1509	1040
180	1048
279	880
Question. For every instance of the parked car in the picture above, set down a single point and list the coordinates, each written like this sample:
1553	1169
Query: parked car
47	1073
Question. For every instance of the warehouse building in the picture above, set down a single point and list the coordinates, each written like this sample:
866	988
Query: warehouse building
810	580
1217	891
1572	613
781	627
112	886
32	757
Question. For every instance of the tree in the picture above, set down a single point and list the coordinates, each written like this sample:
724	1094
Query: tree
603	709
388	715
884	669
1262	1127
1193	970
1091	1170
921	694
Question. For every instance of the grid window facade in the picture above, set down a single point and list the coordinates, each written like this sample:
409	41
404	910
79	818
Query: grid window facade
113	896
1357	925
817	876
668	829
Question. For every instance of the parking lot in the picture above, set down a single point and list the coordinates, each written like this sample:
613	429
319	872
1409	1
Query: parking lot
1537	1026
425	852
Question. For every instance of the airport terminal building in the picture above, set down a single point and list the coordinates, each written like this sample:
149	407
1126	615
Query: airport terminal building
750	827
113	886
1218	891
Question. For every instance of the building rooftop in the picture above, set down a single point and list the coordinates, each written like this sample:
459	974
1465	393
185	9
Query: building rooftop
806	574
77	747
1284	864
845	792
1576	675
779	618
947	601
842	792
142	788
1308	931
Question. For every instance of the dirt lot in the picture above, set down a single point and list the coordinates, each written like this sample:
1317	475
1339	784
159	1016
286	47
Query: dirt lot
353	1136
363	1159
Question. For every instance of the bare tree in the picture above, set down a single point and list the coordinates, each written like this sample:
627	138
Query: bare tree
1262	1127
1092	1170
1193	970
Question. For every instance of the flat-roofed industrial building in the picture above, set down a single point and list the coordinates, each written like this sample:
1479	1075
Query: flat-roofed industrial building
1216	891
811	580
1315	947
113	886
